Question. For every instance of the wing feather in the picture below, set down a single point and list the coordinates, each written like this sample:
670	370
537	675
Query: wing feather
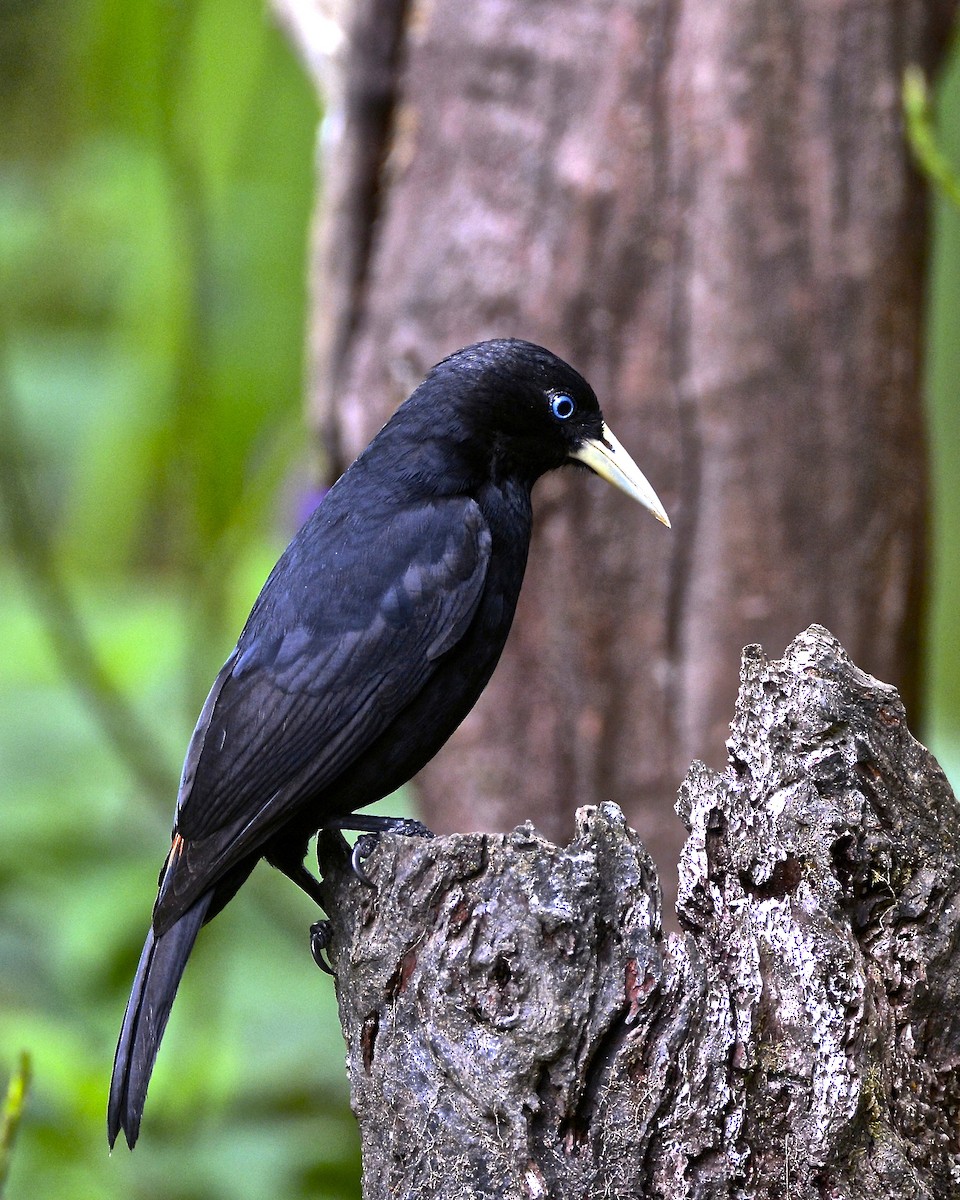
292	708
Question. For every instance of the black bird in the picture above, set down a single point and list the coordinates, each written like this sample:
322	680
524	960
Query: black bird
371	640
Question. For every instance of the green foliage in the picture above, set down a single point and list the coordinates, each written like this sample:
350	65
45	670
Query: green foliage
11	1114
156	178
943	391
922	137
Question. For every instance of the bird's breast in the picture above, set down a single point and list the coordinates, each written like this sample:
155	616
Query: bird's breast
507	512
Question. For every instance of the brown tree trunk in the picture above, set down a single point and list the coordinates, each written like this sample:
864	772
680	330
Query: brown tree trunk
519	1026
709	210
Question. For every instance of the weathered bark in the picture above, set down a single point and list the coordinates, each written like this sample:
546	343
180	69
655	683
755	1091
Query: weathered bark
519	1025
709	210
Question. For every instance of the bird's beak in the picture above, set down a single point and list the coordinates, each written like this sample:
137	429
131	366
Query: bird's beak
611	462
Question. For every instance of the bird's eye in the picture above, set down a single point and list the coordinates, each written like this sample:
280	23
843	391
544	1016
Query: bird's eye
562	406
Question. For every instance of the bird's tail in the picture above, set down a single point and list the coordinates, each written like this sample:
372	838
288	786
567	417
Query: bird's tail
154	987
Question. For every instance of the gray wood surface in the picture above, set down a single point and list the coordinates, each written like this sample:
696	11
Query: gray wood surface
520	1026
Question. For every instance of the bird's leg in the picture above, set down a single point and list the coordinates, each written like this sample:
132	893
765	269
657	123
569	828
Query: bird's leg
298	874
372	826
373	823
320	931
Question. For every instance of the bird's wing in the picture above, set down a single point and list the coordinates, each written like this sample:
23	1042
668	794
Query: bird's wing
292	709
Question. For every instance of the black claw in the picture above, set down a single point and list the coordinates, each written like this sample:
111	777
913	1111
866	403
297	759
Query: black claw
363	848
320	934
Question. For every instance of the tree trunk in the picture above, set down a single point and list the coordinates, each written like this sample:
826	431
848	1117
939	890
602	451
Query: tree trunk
519	1025
709	210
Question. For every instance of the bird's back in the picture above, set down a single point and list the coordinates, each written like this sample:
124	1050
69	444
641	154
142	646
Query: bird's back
369	644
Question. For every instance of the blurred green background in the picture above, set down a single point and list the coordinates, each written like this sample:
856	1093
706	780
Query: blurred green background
156	180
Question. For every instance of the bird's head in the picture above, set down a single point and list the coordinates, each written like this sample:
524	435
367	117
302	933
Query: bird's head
522	411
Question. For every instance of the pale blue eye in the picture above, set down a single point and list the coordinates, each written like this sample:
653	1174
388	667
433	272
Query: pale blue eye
562	406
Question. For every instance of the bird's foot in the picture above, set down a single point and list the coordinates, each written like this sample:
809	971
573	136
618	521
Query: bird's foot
371	828
304	880
320	933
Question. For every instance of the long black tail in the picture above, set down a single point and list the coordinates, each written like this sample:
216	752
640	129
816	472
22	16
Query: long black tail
154	987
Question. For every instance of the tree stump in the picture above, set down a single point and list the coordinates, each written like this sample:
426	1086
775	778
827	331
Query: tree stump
520	1026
